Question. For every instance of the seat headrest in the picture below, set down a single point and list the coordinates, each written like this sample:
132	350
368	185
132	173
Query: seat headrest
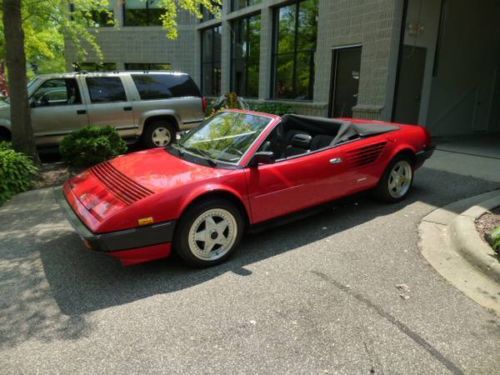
301	140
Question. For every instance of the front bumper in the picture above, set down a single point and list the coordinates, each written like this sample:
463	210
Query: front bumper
423	155
129	239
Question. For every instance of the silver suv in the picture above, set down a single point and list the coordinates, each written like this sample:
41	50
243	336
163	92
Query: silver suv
150	106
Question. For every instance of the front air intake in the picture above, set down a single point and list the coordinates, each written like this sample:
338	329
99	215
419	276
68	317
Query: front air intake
124	188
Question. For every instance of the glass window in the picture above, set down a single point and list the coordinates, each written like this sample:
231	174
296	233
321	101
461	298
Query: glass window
106	89
142	13
245	55
210	61
95	67
225	137
207	16
104	18
164	86
239	4
146	66
61	91
295	44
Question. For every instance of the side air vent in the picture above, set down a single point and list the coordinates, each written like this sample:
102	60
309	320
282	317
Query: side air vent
125	189
366	155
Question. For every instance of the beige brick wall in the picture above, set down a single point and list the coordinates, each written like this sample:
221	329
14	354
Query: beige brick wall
374	24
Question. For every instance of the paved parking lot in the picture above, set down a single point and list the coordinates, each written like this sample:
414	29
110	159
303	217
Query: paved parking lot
315	296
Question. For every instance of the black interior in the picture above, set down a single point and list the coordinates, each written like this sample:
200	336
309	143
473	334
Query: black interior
297	135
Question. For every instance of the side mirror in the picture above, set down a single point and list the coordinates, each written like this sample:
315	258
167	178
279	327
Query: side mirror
262	157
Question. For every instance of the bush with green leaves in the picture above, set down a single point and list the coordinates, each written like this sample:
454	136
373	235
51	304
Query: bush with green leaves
16	172
91	145
494	239
279	109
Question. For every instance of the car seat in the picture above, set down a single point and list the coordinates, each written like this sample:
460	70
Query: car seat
299	143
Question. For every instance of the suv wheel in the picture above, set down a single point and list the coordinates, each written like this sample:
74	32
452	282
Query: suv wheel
159	134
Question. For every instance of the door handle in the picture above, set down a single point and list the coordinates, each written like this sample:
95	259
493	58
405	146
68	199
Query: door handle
127	108
336	161
81	111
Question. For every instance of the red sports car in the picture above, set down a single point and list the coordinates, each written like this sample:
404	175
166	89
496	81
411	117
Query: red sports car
237	169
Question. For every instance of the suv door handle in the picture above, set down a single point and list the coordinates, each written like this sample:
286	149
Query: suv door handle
127	108
81	111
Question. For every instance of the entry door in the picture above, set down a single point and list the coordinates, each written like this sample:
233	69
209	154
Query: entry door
109	104
409	87
345	81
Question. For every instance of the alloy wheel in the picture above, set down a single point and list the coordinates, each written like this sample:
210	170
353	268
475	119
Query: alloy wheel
161	136
400	179
213	234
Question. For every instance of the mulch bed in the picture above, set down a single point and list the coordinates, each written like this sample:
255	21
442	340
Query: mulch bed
54	174
489	221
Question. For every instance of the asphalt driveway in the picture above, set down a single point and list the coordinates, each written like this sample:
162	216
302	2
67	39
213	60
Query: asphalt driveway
315	296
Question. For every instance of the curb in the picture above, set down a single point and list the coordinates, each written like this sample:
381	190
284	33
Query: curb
471	246
450	243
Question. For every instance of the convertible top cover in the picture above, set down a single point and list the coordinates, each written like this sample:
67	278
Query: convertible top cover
339	129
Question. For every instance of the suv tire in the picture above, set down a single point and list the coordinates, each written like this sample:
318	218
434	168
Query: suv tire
159	133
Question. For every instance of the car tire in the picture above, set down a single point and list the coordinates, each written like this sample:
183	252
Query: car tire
208	233
159	134
396	183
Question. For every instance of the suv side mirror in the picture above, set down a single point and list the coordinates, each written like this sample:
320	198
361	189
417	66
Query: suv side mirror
262	157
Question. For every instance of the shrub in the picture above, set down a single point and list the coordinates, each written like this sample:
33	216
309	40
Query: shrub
494	239
91	145
279	109
16	172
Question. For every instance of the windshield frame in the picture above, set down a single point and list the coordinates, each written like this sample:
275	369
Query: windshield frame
243	160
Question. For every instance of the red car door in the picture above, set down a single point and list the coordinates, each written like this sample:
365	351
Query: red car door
296	183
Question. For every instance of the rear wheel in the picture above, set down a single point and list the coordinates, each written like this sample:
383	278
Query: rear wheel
159	134
208	233
397	180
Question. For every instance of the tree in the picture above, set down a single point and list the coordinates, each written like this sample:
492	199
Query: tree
37	30
20	115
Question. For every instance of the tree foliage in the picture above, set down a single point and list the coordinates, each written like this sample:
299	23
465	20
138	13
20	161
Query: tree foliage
47	23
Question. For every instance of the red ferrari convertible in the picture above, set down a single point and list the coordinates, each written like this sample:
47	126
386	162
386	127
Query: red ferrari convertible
237	169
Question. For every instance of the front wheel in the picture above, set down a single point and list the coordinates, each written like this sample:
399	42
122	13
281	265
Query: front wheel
397	180
208	233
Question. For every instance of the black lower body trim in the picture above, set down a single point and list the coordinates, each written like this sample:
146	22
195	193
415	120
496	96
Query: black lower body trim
423	155
120	240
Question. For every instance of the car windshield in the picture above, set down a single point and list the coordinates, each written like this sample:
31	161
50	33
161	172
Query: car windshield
225	137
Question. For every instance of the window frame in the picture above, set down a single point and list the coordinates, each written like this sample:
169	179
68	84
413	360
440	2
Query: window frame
212	62
148	15
275	54
247	4
246	58
65	79
126	98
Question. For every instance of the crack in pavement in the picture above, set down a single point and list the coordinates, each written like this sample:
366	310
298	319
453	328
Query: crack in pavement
400	325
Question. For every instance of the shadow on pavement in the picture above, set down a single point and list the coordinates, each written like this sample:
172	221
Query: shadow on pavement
81	281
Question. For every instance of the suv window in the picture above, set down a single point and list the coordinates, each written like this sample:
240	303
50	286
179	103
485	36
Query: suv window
60	91
106	89
164	86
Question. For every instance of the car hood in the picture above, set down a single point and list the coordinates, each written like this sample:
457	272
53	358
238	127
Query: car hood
111	189
157	170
